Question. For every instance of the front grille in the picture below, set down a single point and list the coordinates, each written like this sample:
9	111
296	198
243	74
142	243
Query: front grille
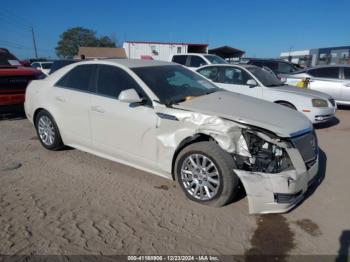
12	83
307	146
332	101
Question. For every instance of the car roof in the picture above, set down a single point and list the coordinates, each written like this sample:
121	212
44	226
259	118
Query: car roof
199	54
264	59
133	63
322	66
230	65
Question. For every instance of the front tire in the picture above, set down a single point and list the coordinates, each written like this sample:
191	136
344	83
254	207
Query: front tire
205	173
47	131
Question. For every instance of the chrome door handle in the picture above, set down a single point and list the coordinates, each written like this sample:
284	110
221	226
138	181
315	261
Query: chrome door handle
347	85
97	109
60	99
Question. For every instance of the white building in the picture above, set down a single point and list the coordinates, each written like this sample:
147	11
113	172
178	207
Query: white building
160	50
297	57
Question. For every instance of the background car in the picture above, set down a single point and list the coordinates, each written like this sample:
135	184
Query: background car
278	66
331	79
14	79
42	66
194	60
254	81
58	64
168	120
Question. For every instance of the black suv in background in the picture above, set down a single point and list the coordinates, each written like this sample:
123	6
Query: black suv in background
278	66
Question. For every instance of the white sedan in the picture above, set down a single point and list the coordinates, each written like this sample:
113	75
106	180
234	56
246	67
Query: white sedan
333	80
168	120
254	81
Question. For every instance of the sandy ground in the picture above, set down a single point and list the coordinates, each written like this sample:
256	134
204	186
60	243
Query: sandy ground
70	202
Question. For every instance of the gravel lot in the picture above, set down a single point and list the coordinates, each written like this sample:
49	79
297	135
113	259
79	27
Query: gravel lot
70	202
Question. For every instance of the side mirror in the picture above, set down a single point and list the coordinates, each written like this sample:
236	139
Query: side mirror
129	96
252	83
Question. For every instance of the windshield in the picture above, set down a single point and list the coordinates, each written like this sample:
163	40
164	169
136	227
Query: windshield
214	59
266	78
174	84
46	65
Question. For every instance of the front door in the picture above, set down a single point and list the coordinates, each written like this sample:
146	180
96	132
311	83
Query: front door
119	129
326	80
235	79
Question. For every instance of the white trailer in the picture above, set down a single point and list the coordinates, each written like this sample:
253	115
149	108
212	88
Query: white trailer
160	50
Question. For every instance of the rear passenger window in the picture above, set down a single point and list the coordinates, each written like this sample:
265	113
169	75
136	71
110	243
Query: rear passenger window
197	61
347	72
325	72
79	78
180	59
112	80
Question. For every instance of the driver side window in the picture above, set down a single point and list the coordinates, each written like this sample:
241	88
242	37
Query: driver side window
112	80
211	73
235	76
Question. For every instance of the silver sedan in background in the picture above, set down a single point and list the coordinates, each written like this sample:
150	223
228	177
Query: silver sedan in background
331	79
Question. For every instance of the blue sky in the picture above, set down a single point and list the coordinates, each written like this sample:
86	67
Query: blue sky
263	28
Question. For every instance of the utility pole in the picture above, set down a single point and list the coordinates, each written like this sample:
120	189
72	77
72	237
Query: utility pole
34	43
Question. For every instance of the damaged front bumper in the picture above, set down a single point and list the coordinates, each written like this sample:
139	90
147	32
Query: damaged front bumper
279	192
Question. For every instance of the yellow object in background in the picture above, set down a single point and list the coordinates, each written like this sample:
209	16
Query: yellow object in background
303	83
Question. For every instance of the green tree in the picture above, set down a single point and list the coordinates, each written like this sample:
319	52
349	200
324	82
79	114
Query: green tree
76	37
106	41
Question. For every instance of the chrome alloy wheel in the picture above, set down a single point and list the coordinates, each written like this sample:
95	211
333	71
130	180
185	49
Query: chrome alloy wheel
46	130
200	177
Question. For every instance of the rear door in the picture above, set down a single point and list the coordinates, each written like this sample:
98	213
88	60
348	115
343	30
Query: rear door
71	104
345	88
326	80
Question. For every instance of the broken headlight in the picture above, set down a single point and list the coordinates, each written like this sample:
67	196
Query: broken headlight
264	156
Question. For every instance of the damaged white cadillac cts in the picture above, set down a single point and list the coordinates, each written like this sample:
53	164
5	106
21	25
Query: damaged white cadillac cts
165	119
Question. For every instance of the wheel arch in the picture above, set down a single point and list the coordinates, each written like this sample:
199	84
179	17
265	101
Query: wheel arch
39	109
36	112
285	102
199	137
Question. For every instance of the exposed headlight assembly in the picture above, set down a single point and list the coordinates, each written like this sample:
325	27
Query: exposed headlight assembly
265	156
319	103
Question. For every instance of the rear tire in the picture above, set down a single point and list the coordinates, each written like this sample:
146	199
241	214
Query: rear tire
205	173
47	131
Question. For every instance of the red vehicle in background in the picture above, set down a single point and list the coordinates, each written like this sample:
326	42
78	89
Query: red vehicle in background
14	78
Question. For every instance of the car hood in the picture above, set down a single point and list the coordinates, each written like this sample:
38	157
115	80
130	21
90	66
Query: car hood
300	91
280	120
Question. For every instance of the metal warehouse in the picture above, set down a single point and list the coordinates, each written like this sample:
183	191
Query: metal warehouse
160	50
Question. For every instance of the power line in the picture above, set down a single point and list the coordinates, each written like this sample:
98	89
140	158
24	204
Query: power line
14	17
20	46
17	23
14	23
6	28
